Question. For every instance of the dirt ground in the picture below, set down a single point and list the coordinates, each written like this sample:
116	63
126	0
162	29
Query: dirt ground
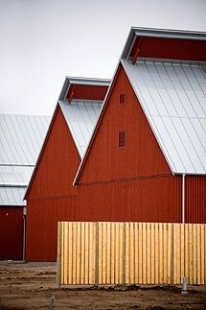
33	286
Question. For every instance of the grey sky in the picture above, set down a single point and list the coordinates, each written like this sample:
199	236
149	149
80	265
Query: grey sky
42	41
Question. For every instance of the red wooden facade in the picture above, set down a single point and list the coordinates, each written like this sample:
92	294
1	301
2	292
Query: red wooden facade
195	199
133	183
11	233
52	197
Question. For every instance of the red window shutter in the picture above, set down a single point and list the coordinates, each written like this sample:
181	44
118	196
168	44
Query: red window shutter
122	139
122	98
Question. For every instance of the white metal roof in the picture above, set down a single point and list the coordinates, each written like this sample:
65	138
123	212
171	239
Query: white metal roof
81	117
173	97
12	196
21	137
15	175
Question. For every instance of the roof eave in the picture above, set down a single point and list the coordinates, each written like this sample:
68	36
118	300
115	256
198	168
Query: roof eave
69	81
21	185
159	33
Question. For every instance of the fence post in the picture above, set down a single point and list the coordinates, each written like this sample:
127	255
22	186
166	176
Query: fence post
97	255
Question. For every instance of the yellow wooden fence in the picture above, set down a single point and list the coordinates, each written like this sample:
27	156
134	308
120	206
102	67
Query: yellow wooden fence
130	253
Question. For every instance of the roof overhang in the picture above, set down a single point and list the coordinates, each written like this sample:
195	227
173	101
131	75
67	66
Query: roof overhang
137	35
84	88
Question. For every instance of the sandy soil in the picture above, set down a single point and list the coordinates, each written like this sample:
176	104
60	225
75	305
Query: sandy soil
33	286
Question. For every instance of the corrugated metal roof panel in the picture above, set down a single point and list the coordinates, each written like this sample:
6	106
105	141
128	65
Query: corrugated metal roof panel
21	137
173	96
81	117
15	175
12	196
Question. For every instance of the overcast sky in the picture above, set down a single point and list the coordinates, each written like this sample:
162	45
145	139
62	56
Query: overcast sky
42	41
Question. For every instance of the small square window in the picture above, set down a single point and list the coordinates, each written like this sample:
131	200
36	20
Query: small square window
122	98
122	139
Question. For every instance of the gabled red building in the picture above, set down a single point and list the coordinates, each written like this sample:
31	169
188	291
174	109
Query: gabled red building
21	137
51	196
147	158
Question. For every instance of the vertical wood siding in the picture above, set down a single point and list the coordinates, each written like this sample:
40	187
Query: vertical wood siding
195	199
11	233
143	200
58	163
131	253
133	183
141	155
51	197
42	219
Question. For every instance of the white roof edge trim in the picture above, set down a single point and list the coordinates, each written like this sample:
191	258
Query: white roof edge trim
145	113
77	173
82	100
173	34
169	61
15	165
24	185
190	174
89	81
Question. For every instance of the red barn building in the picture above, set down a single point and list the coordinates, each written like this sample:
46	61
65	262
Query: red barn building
51	196
21	137
147	157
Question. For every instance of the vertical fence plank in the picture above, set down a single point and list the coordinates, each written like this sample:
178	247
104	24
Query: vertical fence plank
165	253
136	254
198	255
116	255
140	242
100	250
104	252
182	252
202	254
65	254
127	252
160	232
112	259
121	255
92	253
169	254
186	251
147	249
132	255
190	258
156	253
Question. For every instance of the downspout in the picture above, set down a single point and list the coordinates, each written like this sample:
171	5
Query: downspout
183	198
24	234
